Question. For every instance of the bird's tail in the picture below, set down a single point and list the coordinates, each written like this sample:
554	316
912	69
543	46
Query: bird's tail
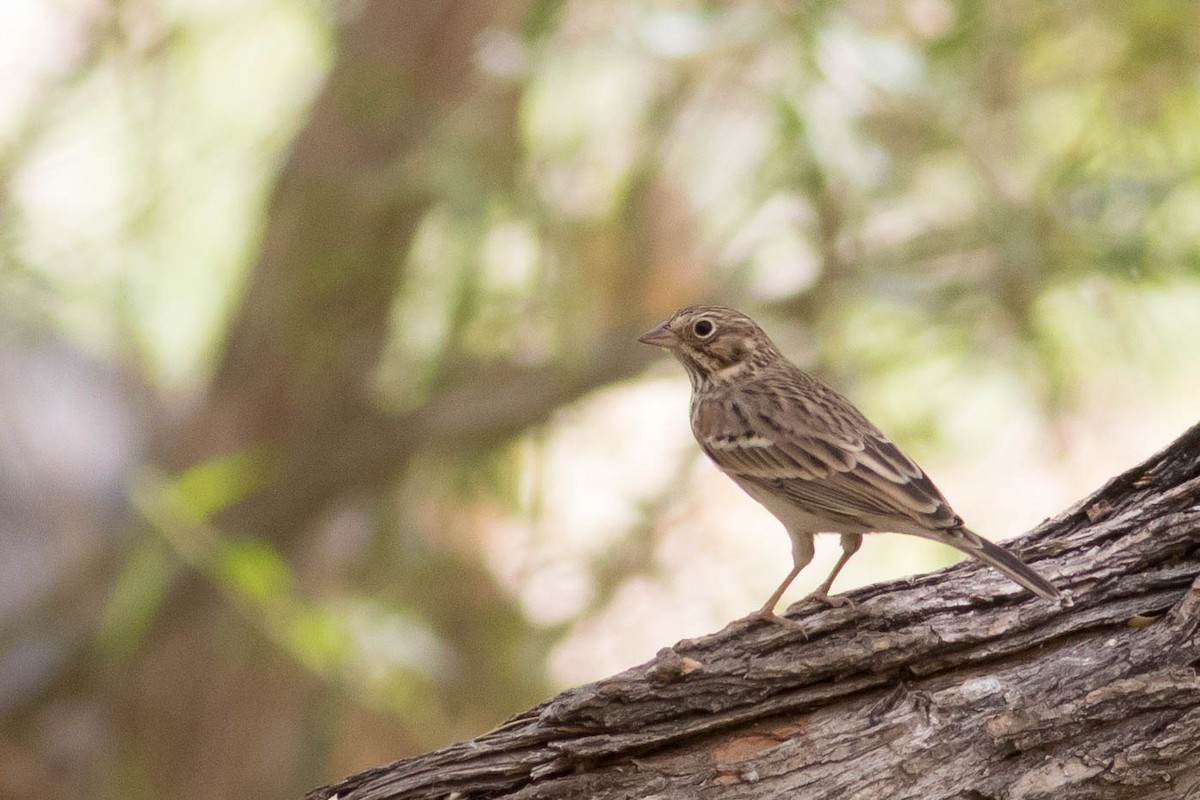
996	556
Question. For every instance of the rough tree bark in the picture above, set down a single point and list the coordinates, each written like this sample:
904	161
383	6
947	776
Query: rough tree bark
954	684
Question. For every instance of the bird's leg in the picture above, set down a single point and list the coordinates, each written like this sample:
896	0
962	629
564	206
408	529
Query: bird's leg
850	544
802	553
767	612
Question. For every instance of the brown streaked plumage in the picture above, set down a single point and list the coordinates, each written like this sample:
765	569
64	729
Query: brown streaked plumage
806	453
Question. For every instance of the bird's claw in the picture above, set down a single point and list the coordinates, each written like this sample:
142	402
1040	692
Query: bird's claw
836	601
769	616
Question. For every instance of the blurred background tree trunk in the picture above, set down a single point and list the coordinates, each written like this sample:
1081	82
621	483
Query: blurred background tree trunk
294	385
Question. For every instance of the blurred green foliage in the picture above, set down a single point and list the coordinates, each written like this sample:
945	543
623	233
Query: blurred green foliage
347	541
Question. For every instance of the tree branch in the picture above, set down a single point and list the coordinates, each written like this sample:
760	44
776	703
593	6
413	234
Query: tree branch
489	406
951	684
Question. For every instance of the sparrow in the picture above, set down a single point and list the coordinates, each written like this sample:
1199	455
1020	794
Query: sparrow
805	453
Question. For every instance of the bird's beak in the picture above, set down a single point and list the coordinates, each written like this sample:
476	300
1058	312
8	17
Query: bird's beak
662	336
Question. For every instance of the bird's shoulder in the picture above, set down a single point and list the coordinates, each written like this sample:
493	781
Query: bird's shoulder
781	432
789	425
780	403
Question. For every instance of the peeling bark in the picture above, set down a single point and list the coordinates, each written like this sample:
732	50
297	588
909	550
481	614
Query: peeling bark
955	684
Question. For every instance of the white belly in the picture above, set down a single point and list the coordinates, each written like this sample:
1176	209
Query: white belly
795	518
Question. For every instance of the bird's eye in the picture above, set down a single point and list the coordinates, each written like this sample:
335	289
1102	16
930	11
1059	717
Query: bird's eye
702	328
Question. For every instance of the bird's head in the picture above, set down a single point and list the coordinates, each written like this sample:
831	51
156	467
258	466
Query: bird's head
714	343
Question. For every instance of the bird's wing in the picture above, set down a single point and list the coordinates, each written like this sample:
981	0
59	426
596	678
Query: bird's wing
832	464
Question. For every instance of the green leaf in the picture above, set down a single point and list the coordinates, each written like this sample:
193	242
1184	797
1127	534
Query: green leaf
135	598
253	569
216	484
318	637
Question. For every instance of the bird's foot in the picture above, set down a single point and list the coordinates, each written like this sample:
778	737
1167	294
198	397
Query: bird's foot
769	616
836	601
